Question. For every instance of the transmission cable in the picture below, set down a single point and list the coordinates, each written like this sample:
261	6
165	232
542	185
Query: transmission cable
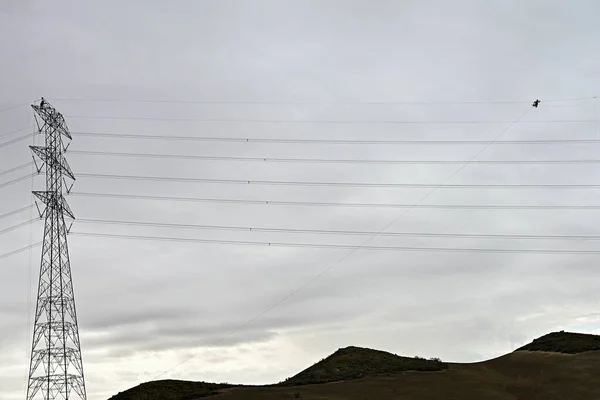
12	228
20	167
336	204
337	246
12	182
323	160
15	131
283	102
345	122
15	107
19	139
17	211
351	252
300	102
224	139
336	232
330	184
22	249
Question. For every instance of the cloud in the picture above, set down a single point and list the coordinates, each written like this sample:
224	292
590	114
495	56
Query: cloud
144	307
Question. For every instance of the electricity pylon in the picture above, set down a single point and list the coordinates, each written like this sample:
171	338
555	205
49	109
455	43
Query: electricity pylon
56	369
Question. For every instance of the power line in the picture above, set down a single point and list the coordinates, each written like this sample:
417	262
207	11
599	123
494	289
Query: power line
12	228
17	211
339	232
334	204
22	166
349	122
287	102
331	141
343	258
16	130
5	184
569	99
22	249
337	246
336	103
19	139
341	184
321	273
14	107
324	160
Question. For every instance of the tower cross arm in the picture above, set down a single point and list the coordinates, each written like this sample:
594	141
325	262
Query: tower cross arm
51	117
49	159
55	201
65	208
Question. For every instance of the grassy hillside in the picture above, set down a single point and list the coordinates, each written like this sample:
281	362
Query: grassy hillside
171	390
355	362
520	375
564	342
558	366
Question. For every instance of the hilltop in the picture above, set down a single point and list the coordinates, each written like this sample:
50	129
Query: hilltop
171	390
356	362
564	342
557	366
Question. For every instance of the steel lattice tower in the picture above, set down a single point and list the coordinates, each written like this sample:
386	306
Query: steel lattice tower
56	369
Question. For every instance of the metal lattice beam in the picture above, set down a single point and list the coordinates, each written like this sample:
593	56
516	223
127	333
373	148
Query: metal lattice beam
56	368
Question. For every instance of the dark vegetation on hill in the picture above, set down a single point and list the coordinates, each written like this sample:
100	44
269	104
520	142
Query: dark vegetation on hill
564	342
171	390
356	362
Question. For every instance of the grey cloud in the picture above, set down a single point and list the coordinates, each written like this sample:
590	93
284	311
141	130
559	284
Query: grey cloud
143	304
140	341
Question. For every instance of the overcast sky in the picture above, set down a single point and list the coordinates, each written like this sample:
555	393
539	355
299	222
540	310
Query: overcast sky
146	306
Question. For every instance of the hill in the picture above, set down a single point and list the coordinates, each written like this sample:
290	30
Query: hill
557	366
355	362
171	390
564	342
